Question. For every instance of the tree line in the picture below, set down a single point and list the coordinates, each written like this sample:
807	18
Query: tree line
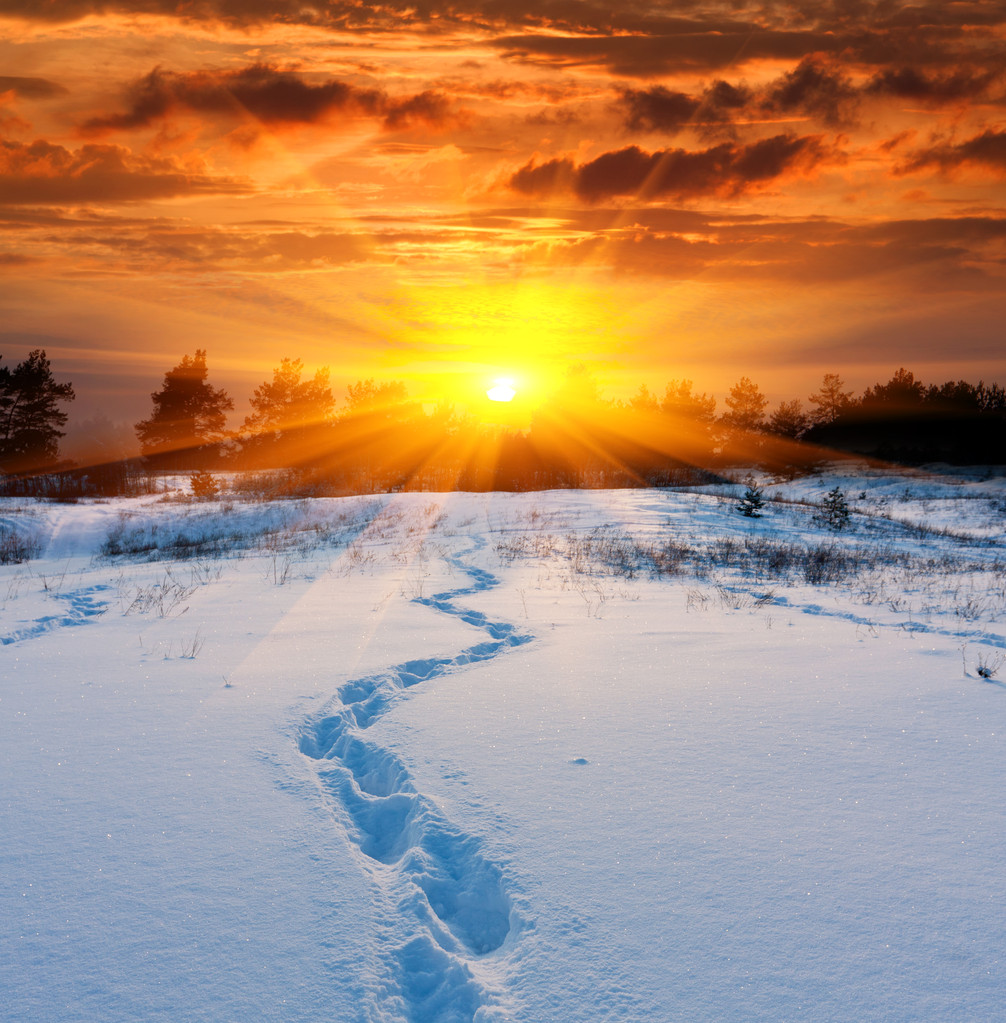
381	439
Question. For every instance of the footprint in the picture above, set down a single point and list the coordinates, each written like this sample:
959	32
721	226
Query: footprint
463	888
434	986
83	605
458	903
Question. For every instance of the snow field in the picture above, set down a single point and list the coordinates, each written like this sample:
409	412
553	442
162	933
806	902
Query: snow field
434	758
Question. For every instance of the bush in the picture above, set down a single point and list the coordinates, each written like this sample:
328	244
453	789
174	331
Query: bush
753	500
834	510
204	485
16	547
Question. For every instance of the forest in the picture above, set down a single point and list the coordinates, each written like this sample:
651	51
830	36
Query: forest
382	440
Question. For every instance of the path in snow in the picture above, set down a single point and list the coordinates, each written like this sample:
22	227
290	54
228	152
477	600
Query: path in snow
79	530
975	633
451	899
83	605
76	534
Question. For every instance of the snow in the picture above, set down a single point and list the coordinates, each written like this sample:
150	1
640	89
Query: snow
465	757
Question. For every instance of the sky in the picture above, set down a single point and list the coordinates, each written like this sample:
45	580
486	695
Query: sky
448	193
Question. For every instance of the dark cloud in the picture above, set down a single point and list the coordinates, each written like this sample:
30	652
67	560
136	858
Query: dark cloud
939	254
42	173
986	13
911	83
430	108
813	88
726	169
719	31
542	178
431	16
568	15
987	150
31	88
938	230
642	56
267	94
658	109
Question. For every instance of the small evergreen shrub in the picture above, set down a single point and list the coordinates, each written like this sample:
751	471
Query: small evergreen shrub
753	500
204	485
835	510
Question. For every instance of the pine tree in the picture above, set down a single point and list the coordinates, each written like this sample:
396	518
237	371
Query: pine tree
643	400
189	416
287	402
389	400
747	406
835	509
30	417
789	419
680	400
753	500
830	399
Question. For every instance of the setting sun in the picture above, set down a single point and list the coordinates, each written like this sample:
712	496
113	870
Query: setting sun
502	390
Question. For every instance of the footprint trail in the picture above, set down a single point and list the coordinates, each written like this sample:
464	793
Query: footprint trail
80	607
450	901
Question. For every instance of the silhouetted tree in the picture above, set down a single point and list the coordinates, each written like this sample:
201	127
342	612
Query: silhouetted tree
30	417
960	396
287	402
367	398
901	393
747	406
680	400
830	400
579	390
189	417
643	400
289	417
789	419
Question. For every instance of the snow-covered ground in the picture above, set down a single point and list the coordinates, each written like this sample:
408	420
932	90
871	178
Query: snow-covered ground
553	758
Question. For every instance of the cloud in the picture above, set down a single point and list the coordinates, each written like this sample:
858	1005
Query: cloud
269	95
659	109
42	172
183	247
814	88
911	83
942	254
987	150
429	108
31	88
264	92
726	169
642	56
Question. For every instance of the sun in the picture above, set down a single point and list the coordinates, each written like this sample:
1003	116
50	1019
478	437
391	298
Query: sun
502	390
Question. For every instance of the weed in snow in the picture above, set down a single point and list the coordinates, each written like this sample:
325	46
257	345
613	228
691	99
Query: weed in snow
17	546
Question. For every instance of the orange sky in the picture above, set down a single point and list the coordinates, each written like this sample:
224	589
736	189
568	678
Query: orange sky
447	193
